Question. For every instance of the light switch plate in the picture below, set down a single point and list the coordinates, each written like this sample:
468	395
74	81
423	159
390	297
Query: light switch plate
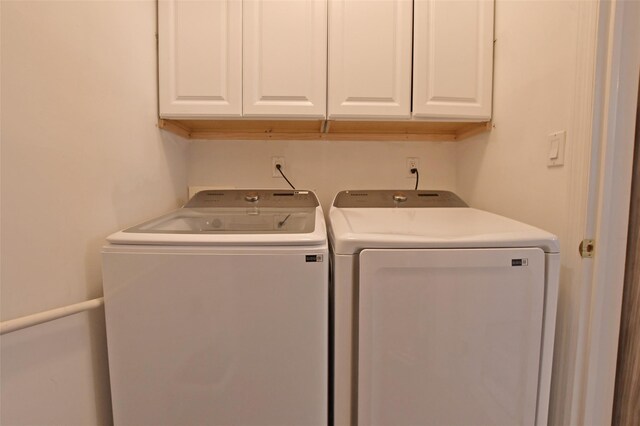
556	143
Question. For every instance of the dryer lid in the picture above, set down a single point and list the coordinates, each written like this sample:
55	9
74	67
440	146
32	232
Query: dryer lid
352	229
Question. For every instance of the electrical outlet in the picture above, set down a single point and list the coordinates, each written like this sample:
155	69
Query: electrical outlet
412	163
274	171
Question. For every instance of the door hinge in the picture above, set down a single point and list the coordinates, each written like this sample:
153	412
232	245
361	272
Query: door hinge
587	248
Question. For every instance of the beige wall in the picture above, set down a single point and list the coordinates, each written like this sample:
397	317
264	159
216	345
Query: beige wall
81	157
323	166
504	171
536	91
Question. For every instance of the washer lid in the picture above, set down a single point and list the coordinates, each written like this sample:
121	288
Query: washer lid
236	217
352	229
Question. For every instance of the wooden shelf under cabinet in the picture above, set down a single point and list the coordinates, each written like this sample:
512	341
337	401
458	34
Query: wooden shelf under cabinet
323	130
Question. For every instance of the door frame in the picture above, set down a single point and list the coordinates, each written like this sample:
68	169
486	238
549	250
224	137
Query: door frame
607	210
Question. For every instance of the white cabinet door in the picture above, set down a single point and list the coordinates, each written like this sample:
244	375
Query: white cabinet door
370	58
285	58
453	59
449	337
200	58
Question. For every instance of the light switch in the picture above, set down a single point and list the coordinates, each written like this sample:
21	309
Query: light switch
556	148
553	149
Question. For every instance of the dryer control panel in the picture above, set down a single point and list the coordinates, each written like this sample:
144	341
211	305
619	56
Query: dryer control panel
392	198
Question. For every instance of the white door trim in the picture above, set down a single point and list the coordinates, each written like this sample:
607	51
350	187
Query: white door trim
571	320
608	208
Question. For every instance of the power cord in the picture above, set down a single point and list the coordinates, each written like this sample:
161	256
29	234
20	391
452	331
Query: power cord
279	167
415	172
283	221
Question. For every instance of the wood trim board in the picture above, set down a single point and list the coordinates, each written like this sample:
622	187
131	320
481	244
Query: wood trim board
337	130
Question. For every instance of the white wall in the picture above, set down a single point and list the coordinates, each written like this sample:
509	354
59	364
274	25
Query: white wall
81	158
323	166
537	91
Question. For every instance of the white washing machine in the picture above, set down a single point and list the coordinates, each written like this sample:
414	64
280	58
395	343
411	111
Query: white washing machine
444	314
217	313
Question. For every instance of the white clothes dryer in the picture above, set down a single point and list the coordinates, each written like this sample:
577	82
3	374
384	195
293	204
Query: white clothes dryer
217	313
444	314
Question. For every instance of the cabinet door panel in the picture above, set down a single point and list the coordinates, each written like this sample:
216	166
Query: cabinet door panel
200	58
370	58
285	57
453	59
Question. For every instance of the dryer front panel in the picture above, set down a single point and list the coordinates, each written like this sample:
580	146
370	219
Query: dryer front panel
449	336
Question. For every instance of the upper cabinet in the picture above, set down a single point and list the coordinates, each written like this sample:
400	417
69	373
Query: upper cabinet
339	59
370	50
200	58
285	58
251	58
370	58
453	59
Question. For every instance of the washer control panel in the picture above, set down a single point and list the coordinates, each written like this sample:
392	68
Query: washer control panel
253	198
